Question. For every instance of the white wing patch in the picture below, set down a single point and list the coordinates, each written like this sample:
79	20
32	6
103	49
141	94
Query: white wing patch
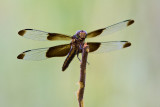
34	34
112	46
34	54
116	27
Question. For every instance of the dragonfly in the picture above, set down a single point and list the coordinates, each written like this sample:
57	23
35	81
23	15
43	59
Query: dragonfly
75	46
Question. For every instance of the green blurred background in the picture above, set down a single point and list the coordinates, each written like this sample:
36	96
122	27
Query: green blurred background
124	78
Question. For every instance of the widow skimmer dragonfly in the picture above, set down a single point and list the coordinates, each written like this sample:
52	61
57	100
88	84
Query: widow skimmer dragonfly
76	44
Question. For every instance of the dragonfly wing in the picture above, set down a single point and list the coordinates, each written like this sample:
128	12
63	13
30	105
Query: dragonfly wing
44	53
110	29
42	36
102	47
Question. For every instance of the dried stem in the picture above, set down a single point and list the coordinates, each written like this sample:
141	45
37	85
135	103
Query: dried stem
80	92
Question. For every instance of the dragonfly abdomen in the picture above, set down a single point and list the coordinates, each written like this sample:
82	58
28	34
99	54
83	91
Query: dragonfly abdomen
69	58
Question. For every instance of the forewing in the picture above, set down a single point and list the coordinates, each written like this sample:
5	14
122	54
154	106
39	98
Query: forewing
42	36
44	53
102	47
110	29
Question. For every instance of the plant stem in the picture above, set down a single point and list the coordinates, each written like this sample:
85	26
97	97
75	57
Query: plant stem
80	92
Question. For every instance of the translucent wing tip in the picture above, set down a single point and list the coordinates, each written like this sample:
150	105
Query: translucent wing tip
22	55
130	22
22	32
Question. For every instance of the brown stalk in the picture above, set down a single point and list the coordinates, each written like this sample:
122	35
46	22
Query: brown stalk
80	92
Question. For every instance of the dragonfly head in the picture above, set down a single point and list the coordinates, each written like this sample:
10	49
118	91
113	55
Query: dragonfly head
81	34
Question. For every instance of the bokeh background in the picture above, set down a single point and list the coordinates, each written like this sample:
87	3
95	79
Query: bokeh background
124	78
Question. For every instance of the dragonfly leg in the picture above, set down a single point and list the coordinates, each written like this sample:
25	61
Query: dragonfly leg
78	56
80	59
87	62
